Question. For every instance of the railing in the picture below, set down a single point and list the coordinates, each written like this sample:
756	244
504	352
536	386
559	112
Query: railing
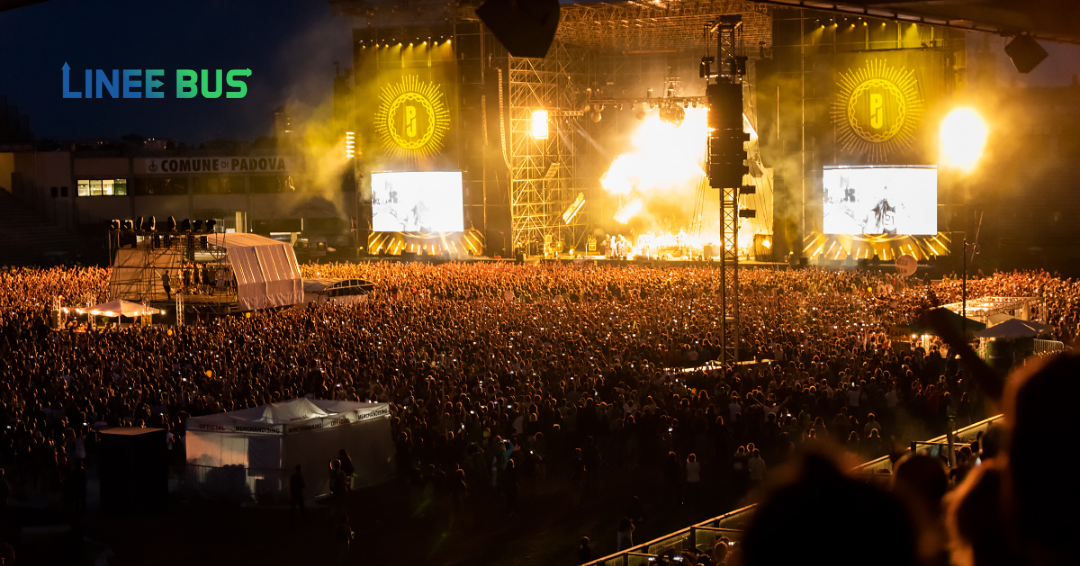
1048	346
703	535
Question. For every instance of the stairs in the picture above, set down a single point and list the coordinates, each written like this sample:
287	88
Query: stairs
26	238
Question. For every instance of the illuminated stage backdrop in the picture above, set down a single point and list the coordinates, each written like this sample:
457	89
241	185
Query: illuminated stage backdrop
406	97
878	108
878	105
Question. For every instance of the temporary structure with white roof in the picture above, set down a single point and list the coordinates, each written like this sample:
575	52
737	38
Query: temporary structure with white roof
118	307
254	451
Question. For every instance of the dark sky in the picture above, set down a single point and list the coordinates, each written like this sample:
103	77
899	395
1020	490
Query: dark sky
289	45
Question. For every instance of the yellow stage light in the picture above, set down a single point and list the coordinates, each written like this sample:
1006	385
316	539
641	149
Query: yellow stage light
963	137
766	243
540	124
350	145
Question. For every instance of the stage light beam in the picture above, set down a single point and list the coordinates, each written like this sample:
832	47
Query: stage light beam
350	145
963	138
540	124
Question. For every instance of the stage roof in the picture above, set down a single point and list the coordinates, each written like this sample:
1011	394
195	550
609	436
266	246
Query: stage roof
1053	20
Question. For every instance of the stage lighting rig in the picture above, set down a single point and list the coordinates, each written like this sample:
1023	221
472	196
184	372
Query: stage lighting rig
672	114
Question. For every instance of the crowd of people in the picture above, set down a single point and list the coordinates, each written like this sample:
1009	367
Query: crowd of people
502	375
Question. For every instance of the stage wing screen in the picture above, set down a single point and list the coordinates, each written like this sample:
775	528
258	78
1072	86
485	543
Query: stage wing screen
880	200
417	202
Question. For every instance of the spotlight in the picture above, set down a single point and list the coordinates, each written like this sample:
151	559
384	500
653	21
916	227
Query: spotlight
139	224
210	225
540	124
197	226
185	225
963	137
114	225
127	226
171	224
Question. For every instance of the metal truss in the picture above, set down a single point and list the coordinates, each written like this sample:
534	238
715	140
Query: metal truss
544	180
729	36
657	25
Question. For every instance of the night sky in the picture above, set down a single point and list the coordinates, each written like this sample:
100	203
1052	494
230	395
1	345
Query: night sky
289	45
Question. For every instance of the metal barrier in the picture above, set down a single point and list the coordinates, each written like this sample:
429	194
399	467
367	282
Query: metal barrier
703	535
1048	346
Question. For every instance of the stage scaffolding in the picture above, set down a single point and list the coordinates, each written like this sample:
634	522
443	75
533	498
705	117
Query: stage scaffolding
137	269
660	26
544	180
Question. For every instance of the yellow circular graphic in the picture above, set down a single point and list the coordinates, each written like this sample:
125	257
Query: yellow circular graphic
412	119
877	110
873	100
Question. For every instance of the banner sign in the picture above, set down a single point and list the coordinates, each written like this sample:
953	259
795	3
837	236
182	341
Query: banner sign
281	164
879	102
408	123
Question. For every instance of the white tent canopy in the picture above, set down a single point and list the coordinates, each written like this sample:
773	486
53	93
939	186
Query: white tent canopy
119	307
255	450
266	271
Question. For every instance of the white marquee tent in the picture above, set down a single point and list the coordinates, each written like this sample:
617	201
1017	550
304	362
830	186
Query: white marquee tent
266	271
254	451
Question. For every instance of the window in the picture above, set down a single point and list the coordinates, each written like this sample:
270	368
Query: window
99	187
145	186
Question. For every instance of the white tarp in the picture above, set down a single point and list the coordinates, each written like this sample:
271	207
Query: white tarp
119	307
266	271
256	450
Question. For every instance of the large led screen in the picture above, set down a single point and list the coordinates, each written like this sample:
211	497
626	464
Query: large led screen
880	200
416	202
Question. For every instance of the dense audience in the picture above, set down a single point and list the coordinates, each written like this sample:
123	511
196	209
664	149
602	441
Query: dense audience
501	374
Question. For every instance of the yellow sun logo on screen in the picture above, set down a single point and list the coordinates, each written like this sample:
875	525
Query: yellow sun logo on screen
877	109
412	118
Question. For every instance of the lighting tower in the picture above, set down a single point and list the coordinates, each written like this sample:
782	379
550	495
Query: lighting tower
350	156
727	166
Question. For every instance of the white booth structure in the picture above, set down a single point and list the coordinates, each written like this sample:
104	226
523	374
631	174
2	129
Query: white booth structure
252	452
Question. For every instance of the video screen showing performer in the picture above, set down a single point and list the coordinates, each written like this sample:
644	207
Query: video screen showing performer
891	200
